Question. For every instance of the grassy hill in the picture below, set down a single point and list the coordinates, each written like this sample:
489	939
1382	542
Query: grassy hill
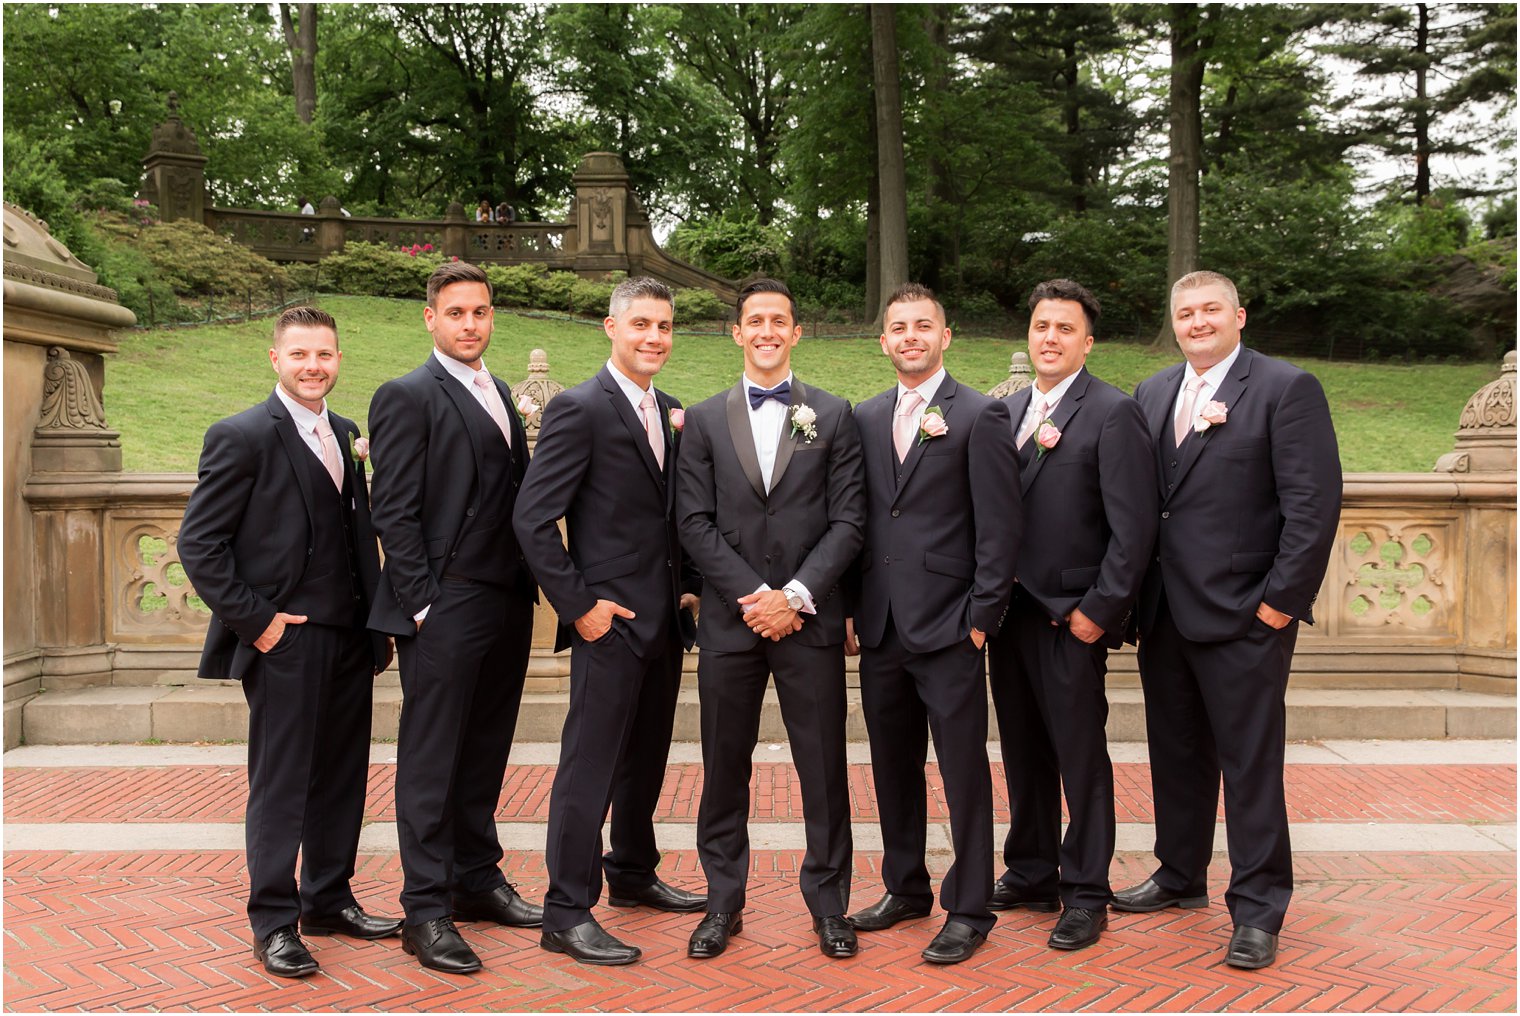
167	386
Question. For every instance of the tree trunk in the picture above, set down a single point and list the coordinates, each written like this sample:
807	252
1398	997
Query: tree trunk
889	150
301	40
1076	168
873	235
1422	106
1185	161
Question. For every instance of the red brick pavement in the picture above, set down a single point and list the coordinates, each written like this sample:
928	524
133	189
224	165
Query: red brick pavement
1374	932
1316	793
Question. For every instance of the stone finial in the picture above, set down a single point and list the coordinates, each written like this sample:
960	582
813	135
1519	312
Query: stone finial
537	386
455	212
1487	428
1019	376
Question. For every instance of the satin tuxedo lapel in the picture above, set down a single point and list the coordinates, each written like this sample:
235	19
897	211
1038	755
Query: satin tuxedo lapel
295	448
466	404
788	442
737	411
944	399
1065	410
635	427
1230	390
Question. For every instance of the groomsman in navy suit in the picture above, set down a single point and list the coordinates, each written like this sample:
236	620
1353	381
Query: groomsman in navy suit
1089	493
942	534
1249	481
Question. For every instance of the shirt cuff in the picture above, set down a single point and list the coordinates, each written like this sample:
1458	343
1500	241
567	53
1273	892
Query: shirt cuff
422	614
761	588
802	591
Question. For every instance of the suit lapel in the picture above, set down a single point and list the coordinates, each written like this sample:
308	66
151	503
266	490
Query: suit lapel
1230	390
743	437
515	424
624	409
788	441
298	452
672	441
944	399
466	404
1158	417
1065	410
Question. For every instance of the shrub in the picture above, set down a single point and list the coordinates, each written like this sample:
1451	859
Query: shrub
554	292
516	285
197	262
735	245
590	297
373	269
700	305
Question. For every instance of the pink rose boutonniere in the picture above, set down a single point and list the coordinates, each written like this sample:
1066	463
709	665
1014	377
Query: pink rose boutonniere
358	448
678	420
1212	415
1046	437
932	425
527	408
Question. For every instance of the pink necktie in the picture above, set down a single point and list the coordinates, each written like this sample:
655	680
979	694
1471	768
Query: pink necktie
905	426
1184	421
1040	410
492	399
651	417
330	451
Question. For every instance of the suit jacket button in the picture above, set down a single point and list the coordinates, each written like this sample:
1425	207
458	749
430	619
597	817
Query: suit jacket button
1166	515
896	512
308	552
1174	463
886	560
770	511
470	512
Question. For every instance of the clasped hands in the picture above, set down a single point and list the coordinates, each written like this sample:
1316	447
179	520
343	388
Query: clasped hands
768	614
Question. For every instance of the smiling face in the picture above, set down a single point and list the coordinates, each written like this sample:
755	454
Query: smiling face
306	359
1059	341
915	339
641	338
767	334
461	322
1207	324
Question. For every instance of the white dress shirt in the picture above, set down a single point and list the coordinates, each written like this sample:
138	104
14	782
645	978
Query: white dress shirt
1212	379
766	424
306	423
1051	399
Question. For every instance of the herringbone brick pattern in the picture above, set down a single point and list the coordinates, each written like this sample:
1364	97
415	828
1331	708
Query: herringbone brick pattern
1316	793
1367	932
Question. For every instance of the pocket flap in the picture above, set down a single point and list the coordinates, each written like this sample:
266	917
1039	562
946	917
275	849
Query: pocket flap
1078	580
944	564
604	570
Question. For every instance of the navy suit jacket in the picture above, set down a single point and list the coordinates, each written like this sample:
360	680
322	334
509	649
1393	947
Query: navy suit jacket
942	529
245	541
428	462
593	467
1089	505
809	527
1255	504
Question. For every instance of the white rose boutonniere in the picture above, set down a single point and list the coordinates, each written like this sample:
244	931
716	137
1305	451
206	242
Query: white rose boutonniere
804	422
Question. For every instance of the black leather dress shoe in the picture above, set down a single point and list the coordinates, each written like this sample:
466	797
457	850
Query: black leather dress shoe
501	905
1251	948
954	943
438	945
836	939
657	895
1148	896
351	921
711	936
283	954
885	912
1006	897
1078	928
591	944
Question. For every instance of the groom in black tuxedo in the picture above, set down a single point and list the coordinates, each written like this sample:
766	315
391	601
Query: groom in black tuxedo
942	534
1249	481
277	540
1089	496
771	506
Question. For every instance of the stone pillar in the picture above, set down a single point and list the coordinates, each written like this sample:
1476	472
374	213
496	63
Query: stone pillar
547	672
602	199
58	325
174	170
330	225
455	237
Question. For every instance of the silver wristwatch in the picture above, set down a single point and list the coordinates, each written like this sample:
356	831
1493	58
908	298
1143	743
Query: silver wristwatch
793	600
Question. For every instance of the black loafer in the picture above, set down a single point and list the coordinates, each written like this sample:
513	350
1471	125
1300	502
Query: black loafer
589	943
836	939
283	954
1251	948
1078	928
954	943
657	895
887	911
351	921
438	945
1148	896
501	905
1006	897
711	936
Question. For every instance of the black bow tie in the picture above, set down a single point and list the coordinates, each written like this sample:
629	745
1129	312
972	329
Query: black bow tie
782	393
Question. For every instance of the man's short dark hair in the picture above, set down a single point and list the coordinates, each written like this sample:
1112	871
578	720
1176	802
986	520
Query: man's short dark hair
764	286
451	272
1066	289
638	288
303	317
912	292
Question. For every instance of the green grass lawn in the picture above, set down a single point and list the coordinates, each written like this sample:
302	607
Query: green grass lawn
166	387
